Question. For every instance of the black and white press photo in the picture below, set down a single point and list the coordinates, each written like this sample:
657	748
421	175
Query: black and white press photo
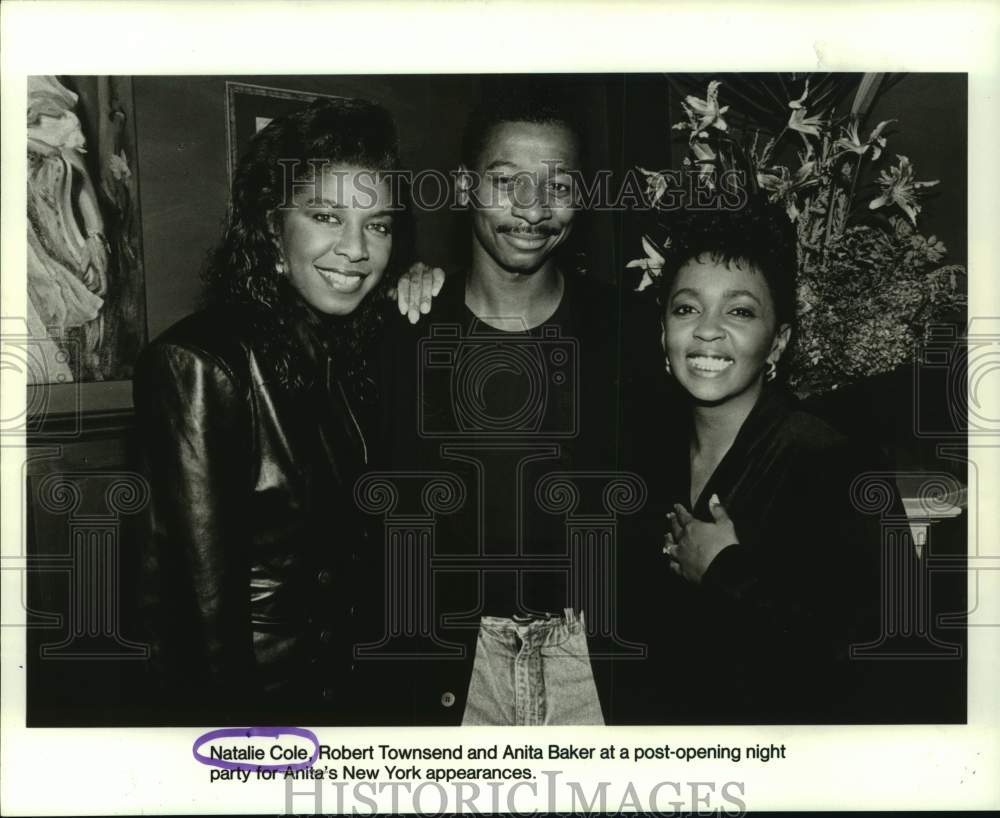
497	399
503	407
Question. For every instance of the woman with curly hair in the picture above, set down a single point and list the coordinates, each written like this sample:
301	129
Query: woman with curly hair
770	572
256	416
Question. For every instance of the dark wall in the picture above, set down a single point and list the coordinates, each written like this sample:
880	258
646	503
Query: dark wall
932	129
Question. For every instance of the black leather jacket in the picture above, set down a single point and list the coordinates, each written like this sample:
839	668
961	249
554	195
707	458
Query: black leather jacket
253	572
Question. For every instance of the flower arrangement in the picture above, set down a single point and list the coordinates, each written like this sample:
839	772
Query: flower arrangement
869	282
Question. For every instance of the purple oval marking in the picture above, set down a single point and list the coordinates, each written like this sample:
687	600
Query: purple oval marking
250	732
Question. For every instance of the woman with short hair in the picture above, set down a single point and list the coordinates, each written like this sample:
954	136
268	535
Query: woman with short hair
774	572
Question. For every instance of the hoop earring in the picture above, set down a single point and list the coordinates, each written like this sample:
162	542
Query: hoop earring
771	372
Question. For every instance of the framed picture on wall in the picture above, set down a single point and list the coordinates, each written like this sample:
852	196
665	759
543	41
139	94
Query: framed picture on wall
86	304
251	107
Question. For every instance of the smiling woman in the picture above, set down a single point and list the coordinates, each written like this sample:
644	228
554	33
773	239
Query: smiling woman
254	419
721	331
335	247
767	564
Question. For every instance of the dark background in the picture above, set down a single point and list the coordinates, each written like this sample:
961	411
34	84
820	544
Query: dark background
183	185
181	125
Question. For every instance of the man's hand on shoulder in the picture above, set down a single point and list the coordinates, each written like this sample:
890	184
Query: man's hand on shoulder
416	288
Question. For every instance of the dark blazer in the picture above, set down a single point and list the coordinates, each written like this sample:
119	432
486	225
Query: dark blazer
252	579
765	637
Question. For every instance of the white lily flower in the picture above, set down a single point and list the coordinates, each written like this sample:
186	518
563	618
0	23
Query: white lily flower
899	188
651	265
706	113
798	121
656	185
784	187
851	141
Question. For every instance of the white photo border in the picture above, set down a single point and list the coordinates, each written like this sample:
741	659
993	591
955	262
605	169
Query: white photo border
128	771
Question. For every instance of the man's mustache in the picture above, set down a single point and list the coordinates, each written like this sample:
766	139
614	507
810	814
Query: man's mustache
536	230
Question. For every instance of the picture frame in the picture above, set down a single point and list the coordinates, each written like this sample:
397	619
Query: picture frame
82	140
251	107
64	407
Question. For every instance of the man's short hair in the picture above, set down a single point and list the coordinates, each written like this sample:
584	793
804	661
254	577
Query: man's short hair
520	100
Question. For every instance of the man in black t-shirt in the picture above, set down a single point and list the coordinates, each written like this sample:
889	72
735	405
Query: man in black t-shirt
519	463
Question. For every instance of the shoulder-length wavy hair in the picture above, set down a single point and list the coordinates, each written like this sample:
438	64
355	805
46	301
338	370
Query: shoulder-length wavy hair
243	268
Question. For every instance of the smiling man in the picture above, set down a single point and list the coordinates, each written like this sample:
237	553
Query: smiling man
520	376
517	180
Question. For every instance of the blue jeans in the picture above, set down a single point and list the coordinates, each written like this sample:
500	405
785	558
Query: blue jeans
532	672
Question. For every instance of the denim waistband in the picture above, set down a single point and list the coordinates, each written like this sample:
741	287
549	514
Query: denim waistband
532	632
